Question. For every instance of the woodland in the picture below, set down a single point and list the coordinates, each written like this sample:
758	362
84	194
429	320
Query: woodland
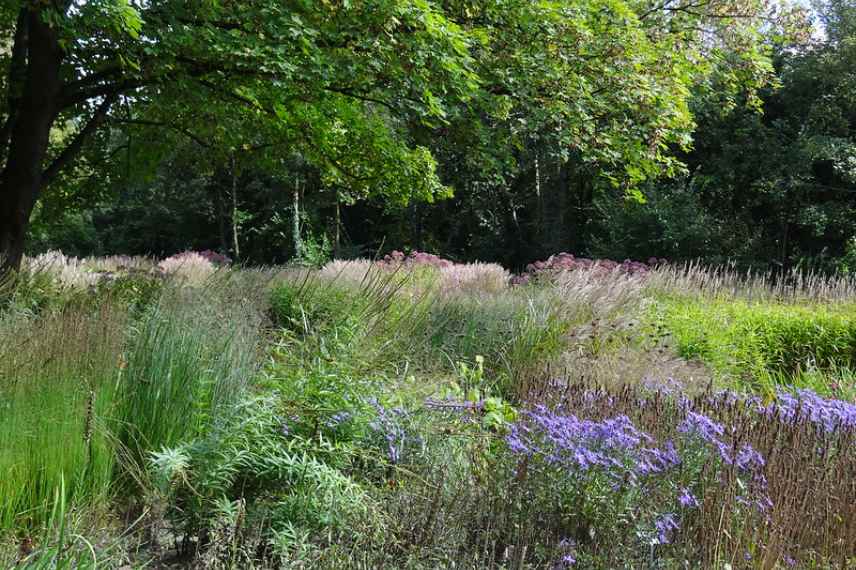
422	284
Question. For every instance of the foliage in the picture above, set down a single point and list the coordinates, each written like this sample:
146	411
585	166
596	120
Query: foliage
363	415
314	252
254	461
526	111
763	343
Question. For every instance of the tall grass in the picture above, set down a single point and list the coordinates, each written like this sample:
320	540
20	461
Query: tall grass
57	395
763	344
417	319
188	361
86	389
793	286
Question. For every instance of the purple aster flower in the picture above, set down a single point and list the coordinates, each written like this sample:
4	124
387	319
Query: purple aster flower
748	459
701	425
393	453
828	414
665	526
612	446
687	499
709	431
568	559
653	460
387	424
338	419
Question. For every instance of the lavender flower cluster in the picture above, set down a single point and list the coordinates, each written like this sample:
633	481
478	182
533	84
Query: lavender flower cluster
578	449
614	447
802	405
828	414
388	424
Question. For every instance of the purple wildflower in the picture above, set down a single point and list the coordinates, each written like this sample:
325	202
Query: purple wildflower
749	459
337	419
665	526
387	424
653	460
568	547
687	499
828	414
762	502
707	430
612	445
702	425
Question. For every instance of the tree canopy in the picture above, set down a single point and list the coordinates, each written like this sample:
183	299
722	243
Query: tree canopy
400	101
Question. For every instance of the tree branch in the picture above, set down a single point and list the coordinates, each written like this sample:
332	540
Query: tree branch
92	78
75	97
147	123
360	96
70	152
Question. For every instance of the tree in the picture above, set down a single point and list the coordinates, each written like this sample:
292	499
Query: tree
581	99
83	62
361	89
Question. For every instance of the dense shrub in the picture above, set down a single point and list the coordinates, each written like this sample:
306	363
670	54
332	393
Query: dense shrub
561	263
414	258
279	480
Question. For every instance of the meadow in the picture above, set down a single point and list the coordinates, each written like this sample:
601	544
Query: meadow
411	412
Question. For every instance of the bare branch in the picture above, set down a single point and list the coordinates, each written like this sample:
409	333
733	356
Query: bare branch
93	78
75	97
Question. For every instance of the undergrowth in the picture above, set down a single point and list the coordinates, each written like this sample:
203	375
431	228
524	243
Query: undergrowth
380	415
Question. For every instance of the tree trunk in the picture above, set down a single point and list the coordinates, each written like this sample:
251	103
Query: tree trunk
21	178
236	248
295	229
221	214
338	237
13	228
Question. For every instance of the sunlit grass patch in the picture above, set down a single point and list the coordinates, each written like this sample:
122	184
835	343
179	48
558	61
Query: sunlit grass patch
762	344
